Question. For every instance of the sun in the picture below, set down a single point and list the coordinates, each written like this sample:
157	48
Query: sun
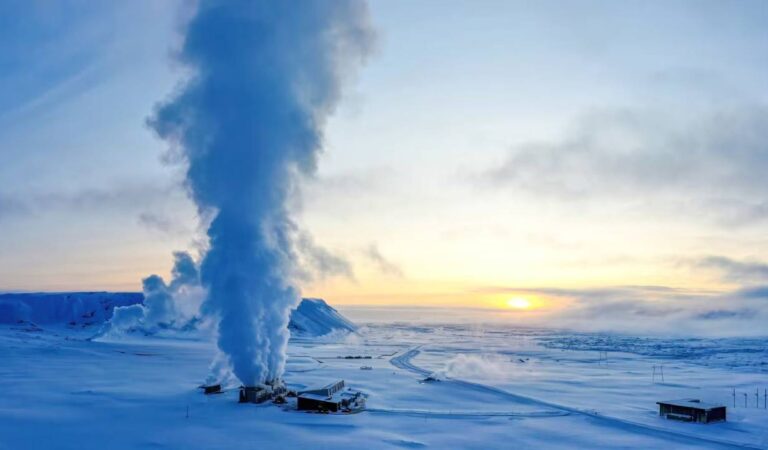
519	303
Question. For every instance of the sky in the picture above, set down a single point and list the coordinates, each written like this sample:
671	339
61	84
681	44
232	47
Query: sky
557	161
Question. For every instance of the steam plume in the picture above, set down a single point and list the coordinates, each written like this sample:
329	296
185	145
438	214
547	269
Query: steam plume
249	122
165	305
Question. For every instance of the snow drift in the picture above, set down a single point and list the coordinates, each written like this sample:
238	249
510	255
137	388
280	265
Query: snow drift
313	316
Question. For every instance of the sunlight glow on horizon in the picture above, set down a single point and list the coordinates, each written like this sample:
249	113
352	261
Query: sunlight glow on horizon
519	303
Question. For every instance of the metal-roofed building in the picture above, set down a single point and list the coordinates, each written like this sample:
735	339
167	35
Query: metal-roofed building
692	410
326	391
331	398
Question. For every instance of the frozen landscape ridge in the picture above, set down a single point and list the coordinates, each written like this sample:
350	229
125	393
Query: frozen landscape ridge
313	316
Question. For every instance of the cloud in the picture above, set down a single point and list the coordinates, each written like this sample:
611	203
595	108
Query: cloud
10	206
733	270
651	309
319	262
600	293
726	314
65	42
161	223
343	193
753	292
710	161
382	264
128	196
351	182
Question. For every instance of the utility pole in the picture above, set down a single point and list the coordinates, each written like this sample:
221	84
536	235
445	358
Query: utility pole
734	397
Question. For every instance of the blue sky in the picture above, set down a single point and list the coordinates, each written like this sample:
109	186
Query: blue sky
487	149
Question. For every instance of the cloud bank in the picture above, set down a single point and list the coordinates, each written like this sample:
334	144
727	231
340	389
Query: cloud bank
707	160
654	310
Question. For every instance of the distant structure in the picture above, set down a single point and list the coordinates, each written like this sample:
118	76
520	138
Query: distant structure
211	389
692	410
260	394
332	398
253	394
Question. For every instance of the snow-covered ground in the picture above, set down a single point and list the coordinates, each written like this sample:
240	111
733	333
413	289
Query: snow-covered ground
501	387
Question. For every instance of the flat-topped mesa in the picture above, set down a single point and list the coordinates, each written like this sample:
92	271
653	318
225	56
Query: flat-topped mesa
271	390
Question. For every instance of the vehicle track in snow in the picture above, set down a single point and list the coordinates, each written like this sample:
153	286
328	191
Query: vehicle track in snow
403	361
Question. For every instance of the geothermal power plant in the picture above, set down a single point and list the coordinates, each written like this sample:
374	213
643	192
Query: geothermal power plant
248	126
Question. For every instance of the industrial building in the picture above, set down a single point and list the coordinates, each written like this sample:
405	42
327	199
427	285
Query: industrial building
335	397
211	389
260	394
692	410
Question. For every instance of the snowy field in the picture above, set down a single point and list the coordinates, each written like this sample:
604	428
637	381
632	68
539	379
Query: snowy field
500	387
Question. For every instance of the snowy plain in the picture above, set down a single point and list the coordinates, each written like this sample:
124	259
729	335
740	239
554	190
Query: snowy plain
500	387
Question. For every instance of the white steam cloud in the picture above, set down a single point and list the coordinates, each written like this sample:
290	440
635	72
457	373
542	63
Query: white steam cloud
248	124
166	306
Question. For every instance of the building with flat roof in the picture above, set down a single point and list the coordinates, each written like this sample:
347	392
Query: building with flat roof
333	397
692	410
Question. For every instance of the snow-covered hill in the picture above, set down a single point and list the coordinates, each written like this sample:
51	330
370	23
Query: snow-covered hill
313	317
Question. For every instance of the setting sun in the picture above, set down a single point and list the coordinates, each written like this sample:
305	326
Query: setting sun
519	303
